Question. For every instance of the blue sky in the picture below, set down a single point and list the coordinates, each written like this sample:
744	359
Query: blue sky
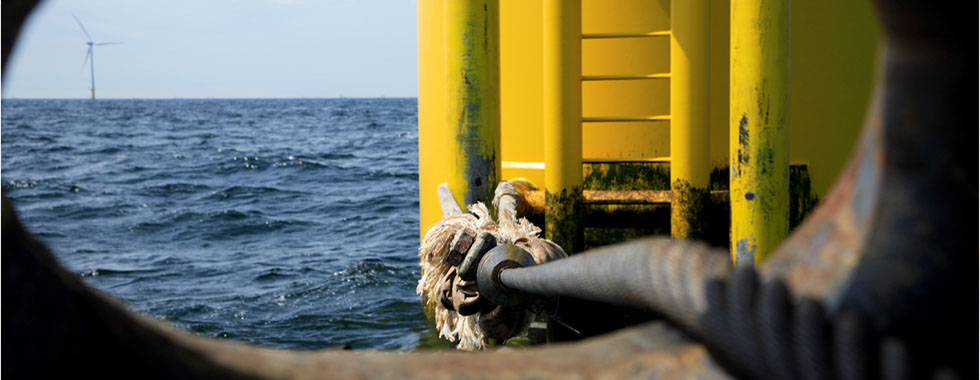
218	49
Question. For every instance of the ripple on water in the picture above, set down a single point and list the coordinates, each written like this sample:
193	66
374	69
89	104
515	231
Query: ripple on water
289	223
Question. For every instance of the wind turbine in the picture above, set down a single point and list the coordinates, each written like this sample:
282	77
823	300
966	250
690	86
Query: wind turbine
90	56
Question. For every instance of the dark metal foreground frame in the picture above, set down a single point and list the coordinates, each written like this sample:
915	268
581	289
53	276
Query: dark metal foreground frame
885	252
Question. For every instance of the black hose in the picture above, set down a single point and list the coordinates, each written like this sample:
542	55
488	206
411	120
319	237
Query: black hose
670	273
754	329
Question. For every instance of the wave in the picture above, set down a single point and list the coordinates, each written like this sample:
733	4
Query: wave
279	222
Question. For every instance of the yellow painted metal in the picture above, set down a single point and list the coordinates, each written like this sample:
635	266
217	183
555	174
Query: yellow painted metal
822	139
606	119
521	86
626	56
759	127
562	95
592	36
625	16
625	40
688	110
626	98
718	84
625	141
433	130
821	81
473	98
562	40
626	77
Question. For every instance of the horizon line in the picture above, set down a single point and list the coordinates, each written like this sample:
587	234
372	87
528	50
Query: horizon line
217	98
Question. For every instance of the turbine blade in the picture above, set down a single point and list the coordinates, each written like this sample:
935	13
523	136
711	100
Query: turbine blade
83	27
88	54
107	43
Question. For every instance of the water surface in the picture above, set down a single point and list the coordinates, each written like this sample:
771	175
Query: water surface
287	223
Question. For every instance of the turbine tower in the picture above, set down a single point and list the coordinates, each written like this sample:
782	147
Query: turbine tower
90	56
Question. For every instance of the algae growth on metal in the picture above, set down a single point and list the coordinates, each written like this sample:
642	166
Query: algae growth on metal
563	221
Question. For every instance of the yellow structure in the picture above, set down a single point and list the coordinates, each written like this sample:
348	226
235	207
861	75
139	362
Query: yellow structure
432	104
562	94
689	149
473	99
647	100
759	125
626	81
820	81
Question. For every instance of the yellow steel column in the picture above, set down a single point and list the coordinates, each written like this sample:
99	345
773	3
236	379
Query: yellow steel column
433	131
689	170
473	78
562	40
759	127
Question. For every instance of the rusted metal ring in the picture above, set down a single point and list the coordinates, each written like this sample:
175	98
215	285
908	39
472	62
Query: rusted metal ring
506	256
499	285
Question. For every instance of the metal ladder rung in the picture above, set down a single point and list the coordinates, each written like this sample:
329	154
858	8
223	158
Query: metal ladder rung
626	160
602	119
612	197
625	77
593	36
626	196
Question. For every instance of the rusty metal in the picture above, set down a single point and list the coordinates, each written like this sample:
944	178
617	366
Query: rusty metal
467	299
887	244
461	245
446	286
466	293
506	256
485	242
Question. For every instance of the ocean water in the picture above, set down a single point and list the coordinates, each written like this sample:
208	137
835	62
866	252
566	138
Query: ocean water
285	223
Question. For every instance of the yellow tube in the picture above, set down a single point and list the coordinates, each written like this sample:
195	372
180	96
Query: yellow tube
759	127
473	84
689	171
433	130
562	71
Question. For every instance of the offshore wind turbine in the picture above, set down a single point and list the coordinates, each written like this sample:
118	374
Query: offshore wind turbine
90	56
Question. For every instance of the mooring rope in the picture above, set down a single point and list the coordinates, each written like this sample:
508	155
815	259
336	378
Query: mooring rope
448	285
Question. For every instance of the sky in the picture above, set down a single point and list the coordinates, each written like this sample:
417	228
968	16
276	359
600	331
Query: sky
218	49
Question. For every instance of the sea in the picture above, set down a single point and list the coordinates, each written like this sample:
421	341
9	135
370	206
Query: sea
290	223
